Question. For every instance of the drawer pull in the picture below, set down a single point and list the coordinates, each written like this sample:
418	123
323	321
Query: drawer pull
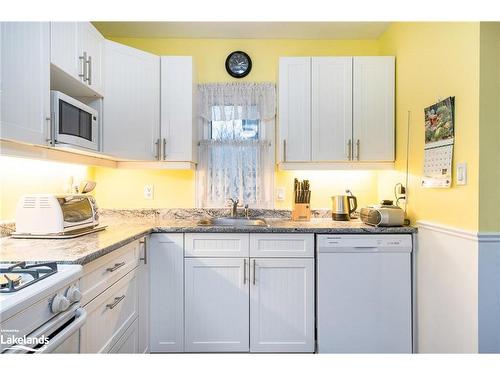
111	306
115	267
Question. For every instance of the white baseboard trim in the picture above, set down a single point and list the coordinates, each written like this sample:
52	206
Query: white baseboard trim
457	232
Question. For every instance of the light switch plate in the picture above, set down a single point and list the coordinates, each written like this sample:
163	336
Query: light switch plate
280	194
148	191
461	174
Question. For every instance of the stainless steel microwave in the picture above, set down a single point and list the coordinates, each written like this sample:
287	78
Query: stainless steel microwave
75	123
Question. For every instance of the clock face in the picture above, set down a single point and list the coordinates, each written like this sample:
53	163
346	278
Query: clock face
238	64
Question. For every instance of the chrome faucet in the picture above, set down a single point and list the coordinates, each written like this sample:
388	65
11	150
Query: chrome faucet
234	206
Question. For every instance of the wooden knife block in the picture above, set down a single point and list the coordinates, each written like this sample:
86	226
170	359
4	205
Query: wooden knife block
301	212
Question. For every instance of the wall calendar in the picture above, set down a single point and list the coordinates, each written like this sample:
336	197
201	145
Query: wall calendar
439	141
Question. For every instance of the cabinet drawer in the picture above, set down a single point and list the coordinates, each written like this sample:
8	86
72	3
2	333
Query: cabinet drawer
110	314
103	272
216	245
277	245
128	343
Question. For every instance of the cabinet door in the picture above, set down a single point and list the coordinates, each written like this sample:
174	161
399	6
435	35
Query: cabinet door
64	51
177	122
295	109
144	297
92	42
25	81
132	103
331	108
216	304
373	108
282	305
166	262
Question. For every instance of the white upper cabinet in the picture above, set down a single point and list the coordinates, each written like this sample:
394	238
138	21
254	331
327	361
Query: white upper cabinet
92	46
373	108
25	81
132	103
178	125
282	305
77	57
336	112
331	108
295	108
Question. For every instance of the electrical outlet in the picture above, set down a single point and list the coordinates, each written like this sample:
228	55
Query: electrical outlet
280	194
148	191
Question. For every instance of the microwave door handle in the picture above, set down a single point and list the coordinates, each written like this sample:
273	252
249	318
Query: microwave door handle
55	342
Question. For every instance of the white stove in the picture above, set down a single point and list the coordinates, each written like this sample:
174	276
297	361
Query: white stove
40	302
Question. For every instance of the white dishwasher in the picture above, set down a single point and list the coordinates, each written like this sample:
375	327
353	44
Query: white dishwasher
364	302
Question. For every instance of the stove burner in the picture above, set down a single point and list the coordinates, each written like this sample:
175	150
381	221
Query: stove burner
13	275
7	278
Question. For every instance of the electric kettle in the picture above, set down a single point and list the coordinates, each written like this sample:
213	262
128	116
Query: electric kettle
343	206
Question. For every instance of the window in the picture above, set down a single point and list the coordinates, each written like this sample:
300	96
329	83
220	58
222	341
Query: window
236	158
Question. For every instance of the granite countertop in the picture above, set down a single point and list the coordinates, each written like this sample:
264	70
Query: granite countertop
125	228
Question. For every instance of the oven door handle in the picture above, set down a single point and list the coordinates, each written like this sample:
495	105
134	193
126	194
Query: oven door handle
55	342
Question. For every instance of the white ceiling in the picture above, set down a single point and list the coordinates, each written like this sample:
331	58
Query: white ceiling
244	30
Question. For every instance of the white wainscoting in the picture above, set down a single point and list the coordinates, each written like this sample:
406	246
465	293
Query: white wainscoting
489	293
447	289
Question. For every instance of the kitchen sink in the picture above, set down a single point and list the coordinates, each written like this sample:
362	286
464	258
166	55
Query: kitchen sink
233	222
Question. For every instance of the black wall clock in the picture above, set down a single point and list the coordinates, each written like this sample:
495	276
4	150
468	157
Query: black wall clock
238	64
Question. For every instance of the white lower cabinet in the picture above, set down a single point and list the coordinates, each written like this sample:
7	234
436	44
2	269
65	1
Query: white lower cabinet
128	343
144	297
245	304
166	262
109	315
216	305
282	305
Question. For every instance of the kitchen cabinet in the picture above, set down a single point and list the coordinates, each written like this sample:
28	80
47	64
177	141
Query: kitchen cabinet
178	118
268	297
282	305
110	314
373	108
144	297
132	104
216	305
128	343
25	82
166	262
336	112
331	113
295	108
76	55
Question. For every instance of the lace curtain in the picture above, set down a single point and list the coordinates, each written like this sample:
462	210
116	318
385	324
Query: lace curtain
236	158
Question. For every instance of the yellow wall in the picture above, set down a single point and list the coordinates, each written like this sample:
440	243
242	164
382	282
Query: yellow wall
489	150
209	56
26	176
434	61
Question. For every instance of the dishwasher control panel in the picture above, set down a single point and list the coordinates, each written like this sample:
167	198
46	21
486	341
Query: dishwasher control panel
366	241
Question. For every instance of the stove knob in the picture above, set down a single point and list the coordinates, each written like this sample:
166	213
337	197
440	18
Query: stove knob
59	303
73	294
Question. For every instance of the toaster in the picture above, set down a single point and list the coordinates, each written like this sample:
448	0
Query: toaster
383	215
48	214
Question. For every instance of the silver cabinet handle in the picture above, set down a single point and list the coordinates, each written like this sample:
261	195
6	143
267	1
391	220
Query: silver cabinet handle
89	70
83	73
284	150
51	140
349	149
111	306
254	267
157	146
164	148
145	258
244	271
115	267
357	149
